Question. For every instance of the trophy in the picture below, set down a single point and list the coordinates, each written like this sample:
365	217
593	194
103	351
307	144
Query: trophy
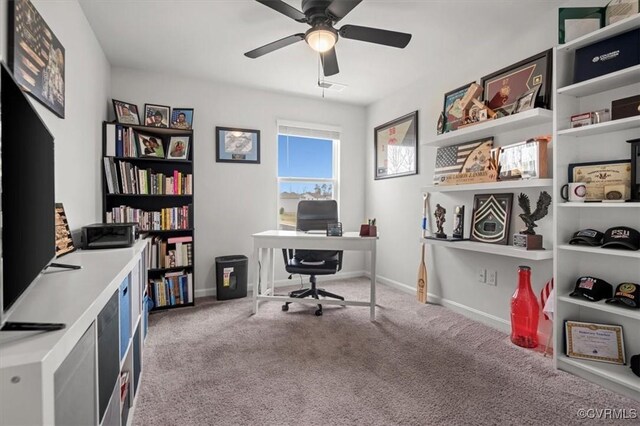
440	220
458	223
527	238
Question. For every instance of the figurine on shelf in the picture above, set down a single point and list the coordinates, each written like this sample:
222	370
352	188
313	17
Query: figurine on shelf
440	220
527	237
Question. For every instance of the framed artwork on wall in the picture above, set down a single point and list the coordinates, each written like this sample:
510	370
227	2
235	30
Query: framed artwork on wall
36	56
503	88
491	218
396	147
237	145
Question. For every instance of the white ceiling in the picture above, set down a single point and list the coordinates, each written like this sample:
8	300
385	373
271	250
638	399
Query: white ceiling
207	39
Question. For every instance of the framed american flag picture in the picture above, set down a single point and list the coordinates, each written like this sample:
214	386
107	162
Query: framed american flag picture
468	162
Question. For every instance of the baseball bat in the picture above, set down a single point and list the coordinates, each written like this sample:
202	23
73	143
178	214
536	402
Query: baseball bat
422	269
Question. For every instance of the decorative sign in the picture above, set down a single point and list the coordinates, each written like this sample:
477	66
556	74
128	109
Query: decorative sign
595	342
470	162
64	242
491	218
36	56
597	175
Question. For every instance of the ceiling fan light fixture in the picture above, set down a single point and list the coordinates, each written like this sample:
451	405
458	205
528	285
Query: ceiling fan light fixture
321	39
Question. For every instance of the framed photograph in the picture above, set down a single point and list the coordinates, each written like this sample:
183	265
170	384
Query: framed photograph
503	88
36	56
156	115
524	160
149	146
598	174
182	118
64	242
126	112
396	147
178	148
527	100
452	109
491	218
237	145
595	342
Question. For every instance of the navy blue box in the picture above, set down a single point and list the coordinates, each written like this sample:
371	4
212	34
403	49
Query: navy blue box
607	56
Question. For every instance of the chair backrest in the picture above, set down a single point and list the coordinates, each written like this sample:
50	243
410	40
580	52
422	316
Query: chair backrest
315	215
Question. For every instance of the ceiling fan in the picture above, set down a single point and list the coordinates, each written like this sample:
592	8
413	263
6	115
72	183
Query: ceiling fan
321	15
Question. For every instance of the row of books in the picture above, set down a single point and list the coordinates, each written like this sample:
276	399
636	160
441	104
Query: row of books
125	178
121	141
169	218
174	288
171	252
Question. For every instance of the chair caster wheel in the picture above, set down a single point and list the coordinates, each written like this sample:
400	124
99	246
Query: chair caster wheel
318	312
285	308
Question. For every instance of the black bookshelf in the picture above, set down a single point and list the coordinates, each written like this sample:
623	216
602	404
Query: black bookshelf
151	202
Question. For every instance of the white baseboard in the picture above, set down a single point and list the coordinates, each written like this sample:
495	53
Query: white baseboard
469	312
204	292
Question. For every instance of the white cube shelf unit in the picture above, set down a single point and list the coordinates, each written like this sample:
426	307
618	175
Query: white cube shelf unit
600	142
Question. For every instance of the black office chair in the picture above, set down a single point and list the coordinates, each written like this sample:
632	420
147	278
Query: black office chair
313	215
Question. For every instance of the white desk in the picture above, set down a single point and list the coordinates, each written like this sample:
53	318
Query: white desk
266	242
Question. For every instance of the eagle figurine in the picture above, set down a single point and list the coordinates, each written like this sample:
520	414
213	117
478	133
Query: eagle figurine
529	219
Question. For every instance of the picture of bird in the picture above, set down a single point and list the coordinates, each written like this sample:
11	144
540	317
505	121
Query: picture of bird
529	219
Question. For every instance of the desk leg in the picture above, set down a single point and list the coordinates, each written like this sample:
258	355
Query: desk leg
373	283
273	271
256	255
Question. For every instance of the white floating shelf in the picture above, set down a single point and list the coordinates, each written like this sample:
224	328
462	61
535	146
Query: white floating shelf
602	128
600	205
634	254
603	83
620	374
610	30
602	306
498	249
528	118
491	186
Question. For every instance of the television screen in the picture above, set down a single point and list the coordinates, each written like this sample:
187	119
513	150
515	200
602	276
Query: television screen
28	223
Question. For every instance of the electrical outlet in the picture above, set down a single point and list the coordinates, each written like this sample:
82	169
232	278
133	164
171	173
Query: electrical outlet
482	275
492	277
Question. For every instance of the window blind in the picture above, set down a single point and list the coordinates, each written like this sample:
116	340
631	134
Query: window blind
308	131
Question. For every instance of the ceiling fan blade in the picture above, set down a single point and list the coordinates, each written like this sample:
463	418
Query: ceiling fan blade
329	62
285	9
376	35
338	9
268	48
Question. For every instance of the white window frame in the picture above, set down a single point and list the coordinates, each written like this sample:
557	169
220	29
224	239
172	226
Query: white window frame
335	181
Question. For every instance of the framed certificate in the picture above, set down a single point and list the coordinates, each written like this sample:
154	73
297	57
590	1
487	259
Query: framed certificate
597	175
595	342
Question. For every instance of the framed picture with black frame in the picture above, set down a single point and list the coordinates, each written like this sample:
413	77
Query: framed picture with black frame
453	113
396	147
235	145
503	88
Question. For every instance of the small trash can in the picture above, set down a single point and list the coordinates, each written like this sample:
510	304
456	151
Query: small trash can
231	277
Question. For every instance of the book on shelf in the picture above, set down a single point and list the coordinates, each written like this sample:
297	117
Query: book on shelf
169	218
173	288
125	178
171	252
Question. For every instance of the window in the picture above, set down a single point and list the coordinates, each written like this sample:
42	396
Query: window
307	167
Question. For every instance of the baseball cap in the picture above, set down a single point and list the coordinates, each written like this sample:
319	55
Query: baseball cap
591	288
628	294
635	364
587	236
621	237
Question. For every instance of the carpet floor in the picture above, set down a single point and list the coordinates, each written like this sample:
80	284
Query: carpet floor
215	364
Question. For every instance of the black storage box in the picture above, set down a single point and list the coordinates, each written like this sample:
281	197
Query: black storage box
231	277
625	108
607	56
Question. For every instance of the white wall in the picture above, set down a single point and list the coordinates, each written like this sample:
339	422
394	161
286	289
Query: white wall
233	201
397	203
78	137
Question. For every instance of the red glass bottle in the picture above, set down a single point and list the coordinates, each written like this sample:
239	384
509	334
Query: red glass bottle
524	311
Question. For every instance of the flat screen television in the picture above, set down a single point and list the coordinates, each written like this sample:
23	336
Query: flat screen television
28	201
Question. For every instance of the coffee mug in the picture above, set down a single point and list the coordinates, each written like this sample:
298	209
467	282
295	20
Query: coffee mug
574	191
